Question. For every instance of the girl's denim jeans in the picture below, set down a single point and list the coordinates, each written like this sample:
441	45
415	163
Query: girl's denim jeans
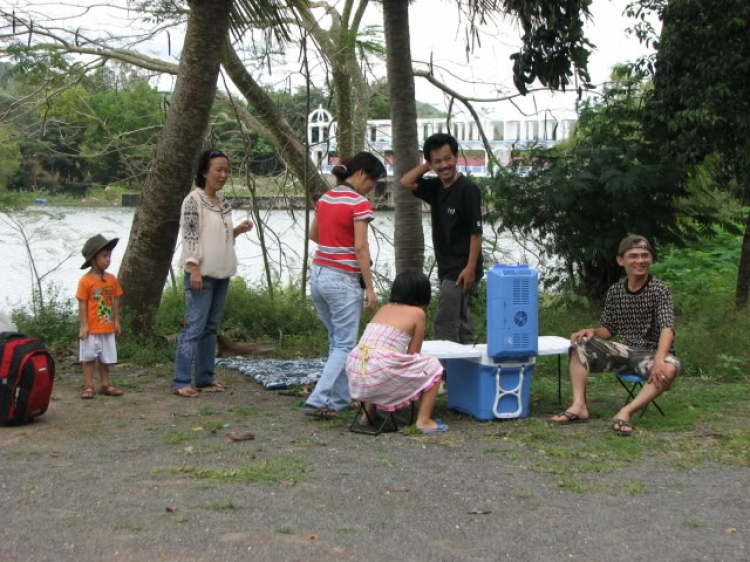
338	300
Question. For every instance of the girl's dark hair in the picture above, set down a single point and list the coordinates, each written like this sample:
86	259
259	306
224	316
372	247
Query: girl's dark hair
204	163
412	288
365	161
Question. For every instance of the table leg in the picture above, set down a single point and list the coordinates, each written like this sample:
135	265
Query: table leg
559	380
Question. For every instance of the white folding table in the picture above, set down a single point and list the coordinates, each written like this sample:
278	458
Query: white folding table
548	345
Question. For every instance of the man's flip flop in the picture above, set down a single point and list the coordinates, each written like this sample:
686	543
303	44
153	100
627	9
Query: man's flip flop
570	418
441	428
620	427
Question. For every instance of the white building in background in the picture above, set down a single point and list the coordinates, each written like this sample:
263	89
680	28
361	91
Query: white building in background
504	133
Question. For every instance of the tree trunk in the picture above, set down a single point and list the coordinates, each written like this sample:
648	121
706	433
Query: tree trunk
743	271
153	236
408	237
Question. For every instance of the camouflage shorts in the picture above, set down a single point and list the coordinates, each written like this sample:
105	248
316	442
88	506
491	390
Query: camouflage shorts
599	355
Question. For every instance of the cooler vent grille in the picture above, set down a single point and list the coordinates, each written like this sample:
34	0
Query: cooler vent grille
521	291
521	340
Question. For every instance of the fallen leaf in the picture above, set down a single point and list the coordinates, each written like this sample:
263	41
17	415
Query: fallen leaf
241	436
730	530
286	482
52	454
337	550
172	509
311	537
479	512
199	428
398	490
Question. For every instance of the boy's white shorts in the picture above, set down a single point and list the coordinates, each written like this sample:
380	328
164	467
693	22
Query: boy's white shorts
98	345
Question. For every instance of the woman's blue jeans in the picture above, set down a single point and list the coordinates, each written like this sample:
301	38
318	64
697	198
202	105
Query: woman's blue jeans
197	345
338	300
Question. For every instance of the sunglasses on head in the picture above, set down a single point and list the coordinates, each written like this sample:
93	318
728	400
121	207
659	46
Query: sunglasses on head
216	154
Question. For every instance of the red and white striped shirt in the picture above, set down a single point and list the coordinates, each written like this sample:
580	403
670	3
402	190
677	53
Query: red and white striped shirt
336	212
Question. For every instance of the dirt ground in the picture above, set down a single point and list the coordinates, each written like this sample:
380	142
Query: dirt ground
154	477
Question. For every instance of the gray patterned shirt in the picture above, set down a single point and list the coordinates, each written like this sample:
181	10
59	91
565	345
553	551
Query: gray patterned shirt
639	317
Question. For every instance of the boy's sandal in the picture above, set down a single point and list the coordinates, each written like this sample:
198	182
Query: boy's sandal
88	393
110	390
186	392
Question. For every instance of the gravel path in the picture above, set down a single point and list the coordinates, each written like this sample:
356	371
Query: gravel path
153	477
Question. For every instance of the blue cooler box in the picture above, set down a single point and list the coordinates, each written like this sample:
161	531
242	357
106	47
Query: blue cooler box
512	312
488	390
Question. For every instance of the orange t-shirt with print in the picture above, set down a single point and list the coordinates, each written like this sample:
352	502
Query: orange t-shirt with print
100	295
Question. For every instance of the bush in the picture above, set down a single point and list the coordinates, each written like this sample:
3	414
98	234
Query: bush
55	324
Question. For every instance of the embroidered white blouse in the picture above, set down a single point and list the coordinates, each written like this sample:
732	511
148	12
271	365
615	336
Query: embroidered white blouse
207	236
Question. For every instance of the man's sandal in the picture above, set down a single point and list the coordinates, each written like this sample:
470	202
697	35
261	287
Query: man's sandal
88	393
622	428
110	390
186	392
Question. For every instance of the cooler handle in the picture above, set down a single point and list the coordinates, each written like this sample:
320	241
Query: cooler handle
500	394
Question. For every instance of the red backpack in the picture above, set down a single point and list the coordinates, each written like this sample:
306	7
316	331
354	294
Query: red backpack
27	372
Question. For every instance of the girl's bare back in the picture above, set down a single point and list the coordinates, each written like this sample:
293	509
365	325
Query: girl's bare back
408	319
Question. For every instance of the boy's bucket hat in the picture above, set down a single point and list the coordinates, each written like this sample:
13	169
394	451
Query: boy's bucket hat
94	245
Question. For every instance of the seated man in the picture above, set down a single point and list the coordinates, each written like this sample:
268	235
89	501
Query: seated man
640	310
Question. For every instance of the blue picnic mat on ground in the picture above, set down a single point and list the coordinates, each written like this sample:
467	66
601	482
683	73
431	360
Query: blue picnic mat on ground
276	374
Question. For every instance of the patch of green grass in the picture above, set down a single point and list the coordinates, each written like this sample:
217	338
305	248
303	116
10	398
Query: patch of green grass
346	531
524	495
242	413
178	437
286	530
622	487
213	426
695	524
265	471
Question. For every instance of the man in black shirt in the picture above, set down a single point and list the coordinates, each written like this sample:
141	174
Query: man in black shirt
640	310
455	204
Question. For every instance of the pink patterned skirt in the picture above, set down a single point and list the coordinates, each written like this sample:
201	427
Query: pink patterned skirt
380	370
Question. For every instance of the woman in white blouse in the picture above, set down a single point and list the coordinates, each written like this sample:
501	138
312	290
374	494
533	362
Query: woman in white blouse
209	261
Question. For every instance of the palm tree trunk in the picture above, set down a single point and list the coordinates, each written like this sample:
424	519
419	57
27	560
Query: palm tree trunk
408	237
153	236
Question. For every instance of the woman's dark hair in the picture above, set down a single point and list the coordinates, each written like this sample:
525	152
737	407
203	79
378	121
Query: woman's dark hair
438	141
368	163
412	288
204	163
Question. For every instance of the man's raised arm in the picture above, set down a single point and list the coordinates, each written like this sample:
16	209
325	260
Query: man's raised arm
410	179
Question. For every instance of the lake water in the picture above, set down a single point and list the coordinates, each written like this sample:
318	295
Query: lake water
56	247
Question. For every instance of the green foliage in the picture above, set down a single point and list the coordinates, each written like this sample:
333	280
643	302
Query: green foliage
554	45
711	334
55	324
10	157
583	198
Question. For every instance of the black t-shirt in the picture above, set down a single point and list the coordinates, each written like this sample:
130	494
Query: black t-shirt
456	215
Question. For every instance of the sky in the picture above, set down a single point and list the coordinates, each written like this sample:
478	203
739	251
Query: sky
437	35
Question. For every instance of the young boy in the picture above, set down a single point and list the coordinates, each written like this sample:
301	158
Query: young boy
98	297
